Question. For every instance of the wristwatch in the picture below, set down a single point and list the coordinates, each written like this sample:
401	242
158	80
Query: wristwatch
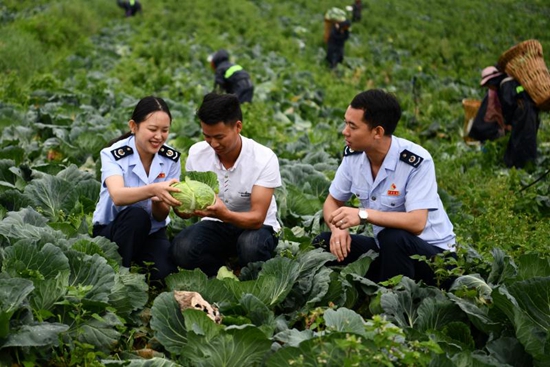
363	215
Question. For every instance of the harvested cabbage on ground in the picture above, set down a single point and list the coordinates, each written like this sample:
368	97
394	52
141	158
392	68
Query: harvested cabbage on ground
198	191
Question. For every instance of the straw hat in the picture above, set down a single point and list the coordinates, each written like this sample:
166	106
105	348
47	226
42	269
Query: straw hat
489	73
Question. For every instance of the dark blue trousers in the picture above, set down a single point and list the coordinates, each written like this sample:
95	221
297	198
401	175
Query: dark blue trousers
396	248
130	231
208	245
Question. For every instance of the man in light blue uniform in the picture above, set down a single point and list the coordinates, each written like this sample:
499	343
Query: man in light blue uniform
394	180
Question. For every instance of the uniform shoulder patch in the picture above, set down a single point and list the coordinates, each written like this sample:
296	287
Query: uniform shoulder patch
122	152
349	151
410	158
169	153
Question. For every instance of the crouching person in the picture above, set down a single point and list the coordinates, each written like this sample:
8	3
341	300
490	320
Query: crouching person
242	222
394	180
131	7
137	171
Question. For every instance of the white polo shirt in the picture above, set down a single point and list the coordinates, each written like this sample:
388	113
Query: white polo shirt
256	165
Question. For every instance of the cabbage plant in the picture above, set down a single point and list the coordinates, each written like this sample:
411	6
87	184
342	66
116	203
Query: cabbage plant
197	191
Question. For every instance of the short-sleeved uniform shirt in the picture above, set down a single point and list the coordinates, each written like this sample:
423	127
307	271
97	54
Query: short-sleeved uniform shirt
405	182
122	159
256	165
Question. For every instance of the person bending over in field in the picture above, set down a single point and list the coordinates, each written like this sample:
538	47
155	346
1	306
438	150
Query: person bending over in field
243	221
394	181
230	77
137	170
131	7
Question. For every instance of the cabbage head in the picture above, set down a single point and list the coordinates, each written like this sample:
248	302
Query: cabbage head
196	194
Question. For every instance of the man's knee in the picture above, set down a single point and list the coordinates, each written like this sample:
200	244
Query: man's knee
185	248
322	240
392	240
256	245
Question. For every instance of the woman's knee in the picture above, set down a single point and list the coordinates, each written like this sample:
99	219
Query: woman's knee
137	216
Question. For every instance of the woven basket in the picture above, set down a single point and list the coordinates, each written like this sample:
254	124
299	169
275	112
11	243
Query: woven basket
524	62
328	27
471	106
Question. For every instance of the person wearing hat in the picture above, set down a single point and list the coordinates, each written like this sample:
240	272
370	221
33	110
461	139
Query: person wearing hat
491	78
507	108
231	78
336	41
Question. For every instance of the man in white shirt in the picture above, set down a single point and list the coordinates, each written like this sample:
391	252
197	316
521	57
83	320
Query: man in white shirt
243	220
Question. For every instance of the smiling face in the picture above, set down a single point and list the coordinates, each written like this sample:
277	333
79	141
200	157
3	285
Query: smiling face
223	138
151	133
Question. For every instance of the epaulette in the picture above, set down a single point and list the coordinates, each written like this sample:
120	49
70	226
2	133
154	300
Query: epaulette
169	153
410	158
122	152
349	151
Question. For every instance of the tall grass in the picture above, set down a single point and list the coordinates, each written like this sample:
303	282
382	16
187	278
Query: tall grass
37	35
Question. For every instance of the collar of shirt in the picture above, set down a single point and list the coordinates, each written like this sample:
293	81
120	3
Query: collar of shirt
389	164
137	165
393	155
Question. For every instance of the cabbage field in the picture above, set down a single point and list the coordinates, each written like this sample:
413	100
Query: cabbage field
71	72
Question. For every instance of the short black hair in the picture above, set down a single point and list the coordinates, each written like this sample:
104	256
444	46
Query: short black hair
379	109
216	108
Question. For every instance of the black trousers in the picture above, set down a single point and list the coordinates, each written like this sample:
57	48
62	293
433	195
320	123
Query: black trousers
209	244
130	231
396	248
244	89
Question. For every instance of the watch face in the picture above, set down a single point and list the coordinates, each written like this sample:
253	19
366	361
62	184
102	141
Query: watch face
363	214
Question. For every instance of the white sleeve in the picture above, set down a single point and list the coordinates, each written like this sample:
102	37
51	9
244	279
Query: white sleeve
271	175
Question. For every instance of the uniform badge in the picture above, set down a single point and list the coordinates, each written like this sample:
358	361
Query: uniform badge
161	175
122	152
169	153
410	158
392	191
349	151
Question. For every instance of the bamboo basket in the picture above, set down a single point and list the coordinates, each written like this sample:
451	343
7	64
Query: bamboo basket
471	106
525	63
328	26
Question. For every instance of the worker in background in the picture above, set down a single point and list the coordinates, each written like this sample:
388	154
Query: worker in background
131	7
507	109
230	77
357	8
336	41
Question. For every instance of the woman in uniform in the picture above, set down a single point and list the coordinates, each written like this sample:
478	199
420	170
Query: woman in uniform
137	170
